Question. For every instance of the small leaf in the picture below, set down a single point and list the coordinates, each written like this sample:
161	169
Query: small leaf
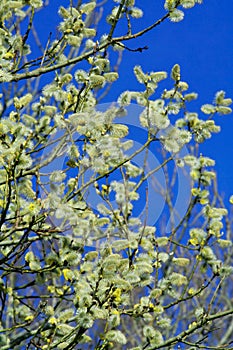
187	4
135	12
125	98
175	74
34	265
141	77
162	241
176	15
169	5
119	130
224	243
111	76
191	96
120	244
219	96
88	8
68	274
208	109
29	257
52	320
116	336
158	76
181	261
224	110
226	102
96	80
29	318
156	293
177	279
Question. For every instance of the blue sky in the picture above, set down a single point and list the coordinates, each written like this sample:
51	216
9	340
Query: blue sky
203	46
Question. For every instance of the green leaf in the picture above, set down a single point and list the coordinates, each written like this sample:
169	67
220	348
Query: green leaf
136	12
181	261
191	96
176	15
125	98
224	110
128	3
175	74
120	244
158	76
119	130
132	277
226	270
156	293
88	7
187	4
157	338
111	76
29	257
96	80
141	77
219	96
66	315
116	336
199	312
224	243
208	109
173	108
57	176
68	274
63	345
34	265
149	332
177	279
143	267
169	4
162	256
207	253
162	241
